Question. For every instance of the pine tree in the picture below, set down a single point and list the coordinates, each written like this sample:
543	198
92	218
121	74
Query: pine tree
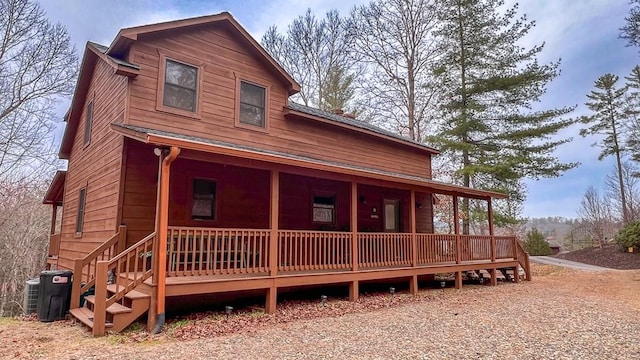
631	30
609	120
536	245
633	111
491	84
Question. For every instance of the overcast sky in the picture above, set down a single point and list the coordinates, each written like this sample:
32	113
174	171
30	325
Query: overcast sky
583	33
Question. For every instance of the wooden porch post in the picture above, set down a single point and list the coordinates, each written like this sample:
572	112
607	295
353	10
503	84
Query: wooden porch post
354	226
161	231
413	286
456	230
273	238
493	238
494	272
54	216
272	292
354	286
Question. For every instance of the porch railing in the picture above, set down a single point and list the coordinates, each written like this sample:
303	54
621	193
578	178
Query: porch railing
475	247
436	248
384	249
505	248
193	251
202	251
313	250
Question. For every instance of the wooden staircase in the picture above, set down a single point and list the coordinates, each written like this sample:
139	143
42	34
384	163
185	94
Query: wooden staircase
116	305
119	315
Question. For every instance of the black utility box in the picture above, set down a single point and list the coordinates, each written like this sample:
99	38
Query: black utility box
54	295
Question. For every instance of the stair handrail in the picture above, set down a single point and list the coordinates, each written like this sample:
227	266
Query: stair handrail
127	270
523	260
83	277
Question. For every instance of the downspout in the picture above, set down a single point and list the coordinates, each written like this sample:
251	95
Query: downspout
161	233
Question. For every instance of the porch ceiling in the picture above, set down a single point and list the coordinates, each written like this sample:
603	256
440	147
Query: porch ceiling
164	138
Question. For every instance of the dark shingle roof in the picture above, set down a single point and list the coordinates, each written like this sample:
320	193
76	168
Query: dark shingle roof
103	49
353	122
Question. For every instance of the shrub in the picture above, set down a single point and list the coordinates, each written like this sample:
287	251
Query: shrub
536	245
629	236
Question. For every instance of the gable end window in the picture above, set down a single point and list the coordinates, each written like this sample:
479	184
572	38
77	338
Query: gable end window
180	86
252	109
87	122
81	204
204	200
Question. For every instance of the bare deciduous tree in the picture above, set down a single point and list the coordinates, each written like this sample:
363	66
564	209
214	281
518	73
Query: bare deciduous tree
317	53
395	40
595	213
24	225
37	66
631	191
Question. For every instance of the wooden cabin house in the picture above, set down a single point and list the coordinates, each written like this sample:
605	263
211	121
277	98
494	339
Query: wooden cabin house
191	172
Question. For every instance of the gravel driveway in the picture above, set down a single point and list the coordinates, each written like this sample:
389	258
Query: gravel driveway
550	260
561	314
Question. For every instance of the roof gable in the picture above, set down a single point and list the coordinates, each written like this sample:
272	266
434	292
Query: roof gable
128	36
92	54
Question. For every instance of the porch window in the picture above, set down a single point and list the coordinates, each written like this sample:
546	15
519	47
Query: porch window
180	86
204	200
81	204
324	208
252	109
87	122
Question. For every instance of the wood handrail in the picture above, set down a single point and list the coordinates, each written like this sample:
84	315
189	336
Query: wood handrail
523	260
129	269
106	250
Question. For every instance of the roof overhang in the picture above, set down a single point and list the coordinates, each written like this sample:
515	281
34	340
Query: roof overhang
128	36
291	112
163	138
89	61
55	192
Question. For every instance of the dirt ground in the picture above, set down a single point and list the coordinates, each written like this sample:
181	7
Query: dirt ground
561	314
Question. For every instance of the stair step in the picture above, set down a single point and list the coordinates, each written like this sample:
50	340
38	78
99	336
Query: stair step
85	316
113	309
132	294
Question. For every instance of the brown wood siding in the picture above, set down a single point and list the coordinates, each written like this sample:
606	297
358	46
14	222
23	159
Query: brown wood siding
424	213
372	197
139	200
242	195
296	202
224	60
95	165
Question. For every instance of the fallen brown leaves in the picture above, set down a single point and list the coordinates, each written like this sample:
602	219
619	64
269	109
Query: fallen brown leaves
211	324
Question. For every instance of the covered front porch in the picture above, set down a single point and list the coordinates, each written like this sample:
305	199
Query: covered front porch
230	219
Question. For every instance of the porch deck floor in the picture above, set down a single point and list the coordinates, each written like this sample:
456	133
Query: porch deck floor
202	284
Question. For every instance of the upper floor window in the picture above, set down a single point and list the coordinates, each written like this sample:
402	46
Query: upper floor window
87	122
180	86
252	109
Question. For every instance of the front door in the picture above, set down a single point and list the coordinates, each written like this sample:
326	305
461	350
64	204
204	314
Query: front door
391	216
